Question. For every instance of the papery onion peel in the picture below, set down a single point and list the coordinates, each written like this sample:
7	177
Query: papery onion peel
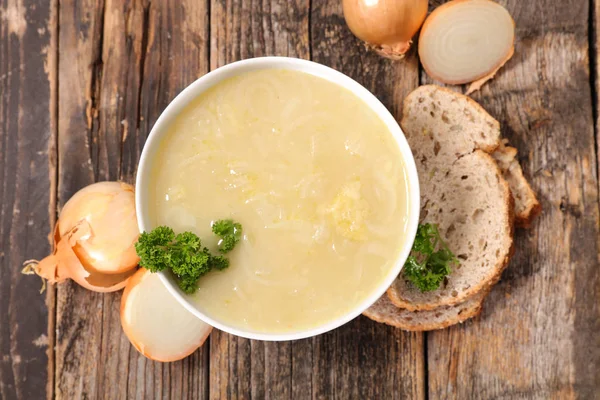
466	41
387	26
156	324
85	249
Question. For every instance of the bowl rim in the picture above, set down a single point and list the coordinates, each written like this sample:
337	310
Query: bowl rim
212	78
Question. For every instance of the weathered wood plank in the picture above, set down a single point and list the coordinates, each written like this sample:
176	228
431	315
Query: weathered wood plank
27	195
245	29
241	368
177	54
538	334
595	69
80	313
114	108
364	359
121	62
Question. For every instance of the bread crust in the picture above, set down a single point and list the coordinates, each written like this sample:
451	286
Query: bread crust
506	157
382	312
508	219
526	219
492	278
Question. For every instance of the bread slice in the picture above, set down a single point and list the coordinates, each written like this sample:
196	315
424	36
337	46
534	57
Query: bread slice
462	191
472	206
527	206
385	312
444	125
468	127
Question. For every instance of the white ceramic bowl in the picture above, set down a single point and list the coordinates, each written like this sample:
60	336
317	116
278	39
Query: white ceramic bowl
240	67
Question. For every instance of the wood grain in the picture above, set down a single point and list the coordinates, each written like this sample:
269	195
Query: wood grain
538	334
27	171
126	61
244	29
80	313
113	108
595	69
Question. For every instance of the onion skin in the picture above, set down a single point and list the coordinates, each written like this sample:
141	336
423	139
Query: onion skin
50	270
93	281
109	208
387	26
75	239
477	80
64	264
49	267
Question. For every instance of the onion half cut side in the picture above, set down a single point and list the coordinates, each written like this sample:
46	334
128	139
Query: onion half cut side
156	324
466	41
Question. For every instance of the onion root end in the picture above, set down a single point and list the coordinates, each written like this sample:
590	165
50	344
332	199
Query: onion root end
394	52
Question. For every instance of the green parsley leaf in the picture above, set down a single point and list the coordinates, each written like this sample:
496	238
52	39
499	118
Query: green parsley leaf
427	268
230	233
183	254
152	248
219	262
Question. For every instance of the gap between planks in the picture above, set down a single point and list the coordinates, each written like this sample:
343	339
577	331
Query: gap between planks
51	301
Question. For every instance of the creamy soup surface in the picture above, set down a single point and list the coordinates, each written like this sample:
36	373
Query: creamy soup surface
314	177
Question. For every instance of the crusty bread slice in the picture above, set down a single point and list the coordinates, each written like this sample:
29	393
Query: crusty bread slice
468	127
527	206
472	206
462	191
446	131
385	312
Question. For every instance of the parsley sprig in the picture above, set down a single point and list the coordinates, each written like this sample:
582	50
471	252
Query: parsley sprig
230	233
426	267
183	253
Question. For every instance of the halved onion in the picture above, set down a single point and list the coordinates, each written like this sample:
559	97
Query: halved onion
466	41
156	324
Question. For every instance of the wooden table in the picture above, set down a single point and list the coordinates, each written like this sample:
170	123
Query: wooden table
83	81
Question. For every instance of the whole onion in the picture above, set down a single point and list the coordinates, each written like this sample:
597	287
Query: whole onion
94	239
387	26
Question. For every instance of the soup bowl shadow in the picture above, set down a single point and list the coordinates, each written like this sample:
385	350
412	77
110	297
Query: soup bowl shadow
151	147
